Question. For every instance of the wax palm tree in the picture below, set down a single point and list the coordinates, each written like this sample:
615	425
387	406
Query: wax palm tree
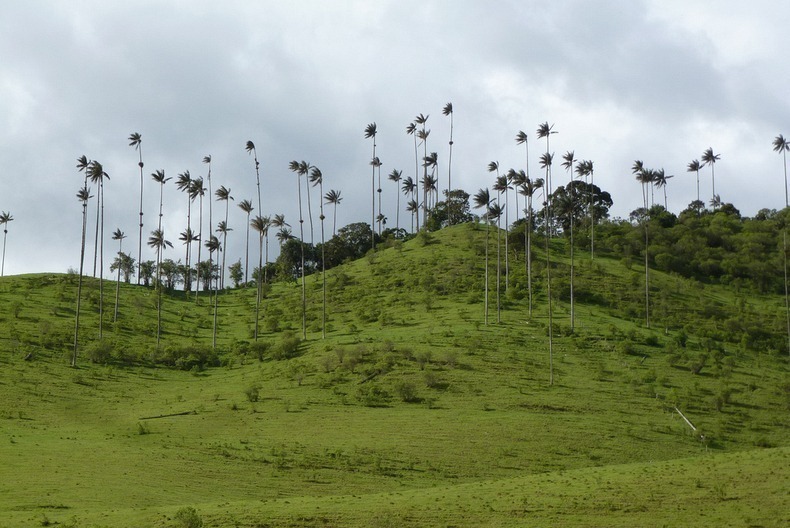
119	236
198	191
501	187
83	196
223	195
284	234
709	158
97	174
184	184
213	245
188	236
660	179
246	206
5	217
207	161
278	221
136	141
430	182
376	164
396	176
333	197
645	176
298	168
317	178
694	166
250	147
568	162
482	200
783	145
422	135
495	211
158	242
408	188
411	129
414	208
222	229
545	163
159	177
370	133
261	225
448	111
584	169
528	189
523	138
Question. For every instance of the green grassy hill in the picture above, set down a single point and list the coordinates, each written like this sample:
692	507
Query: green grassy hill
412	411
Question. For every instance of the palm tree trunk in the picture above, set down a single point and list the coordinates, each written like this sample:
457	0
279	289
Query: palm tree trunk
528	254
258	283
101	262
323	261
787	299
79	285
2	266
416	190
488	230
200	243
118	283
572	211
301	243
548	292
247	253
158	295
507	251
592	216
498	263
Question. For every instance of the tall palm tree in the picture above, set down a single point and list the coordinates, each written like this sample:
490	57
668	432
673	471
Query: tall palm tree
198	191
370	133
213	244
523	138
250	147
376	164
694	166
429	182
413	208
207	161
83	196
545	163
783	145
584	169
333	197
136	141
5	217
568	163
528	189
408	188
411	129
482	200
261	225
709	158
297	167
188	236
223	195
317	178
158	242
645	176
495	210
660	178
396	176
501	186
448	111
184	184
222	229
278	221
119	236
159	177
422	135
246	206
97	174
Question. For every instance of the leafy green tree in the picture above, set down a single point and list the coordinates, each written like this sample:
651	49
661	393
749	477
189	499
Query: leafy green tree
126	264
236	273
351	242
146	270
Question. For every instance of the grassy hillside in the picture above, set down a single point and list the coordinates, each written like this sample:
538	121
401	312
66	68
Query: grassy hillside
411	412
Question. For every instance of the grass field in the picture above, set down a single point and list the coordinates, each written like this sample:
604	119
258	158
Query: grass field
411	412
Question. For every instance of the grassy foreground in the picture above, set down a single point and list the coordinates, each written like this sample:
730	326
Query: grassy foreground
411	413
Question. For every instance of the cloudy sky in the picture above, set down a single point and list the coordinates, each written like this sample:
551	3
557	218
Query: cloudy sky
657	80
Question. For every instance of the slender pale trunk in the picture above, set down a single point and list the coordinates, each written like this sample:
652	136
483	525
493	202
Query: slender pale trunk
188	274
498	261
488	230
200	243
118	282
573	203
323	260
548	289
259	283
216	307
647	262
140	242
101	262
301	243
334	220
158	294
416	191
378	190
79	283
450	175
592	215
224	245
528	243
247	253
397	205
507	251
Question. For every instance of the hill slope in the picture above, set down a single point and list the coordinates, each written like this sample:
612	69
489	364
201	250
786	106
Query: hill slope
410	401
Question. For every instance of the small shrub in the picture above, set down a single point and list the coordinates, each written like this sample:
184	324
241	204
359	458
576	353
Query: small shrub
253	393
288	347
407	391
373	395
143	429
188	517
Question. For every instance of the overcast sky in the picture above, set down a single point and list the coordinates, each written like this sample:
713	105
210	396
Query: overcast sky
659	81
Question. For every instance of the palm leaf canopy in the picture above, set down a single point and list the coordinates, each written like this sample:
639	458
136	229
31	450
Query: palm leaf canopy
370	131
493	166
781	144
395	175
250	146
693	166
546	159
521	137
448	109
159	176
135	139
246	206
316	176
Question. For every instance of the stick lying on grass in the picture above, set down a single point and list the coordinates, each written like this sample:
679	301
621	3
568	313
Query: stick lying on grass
169	415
